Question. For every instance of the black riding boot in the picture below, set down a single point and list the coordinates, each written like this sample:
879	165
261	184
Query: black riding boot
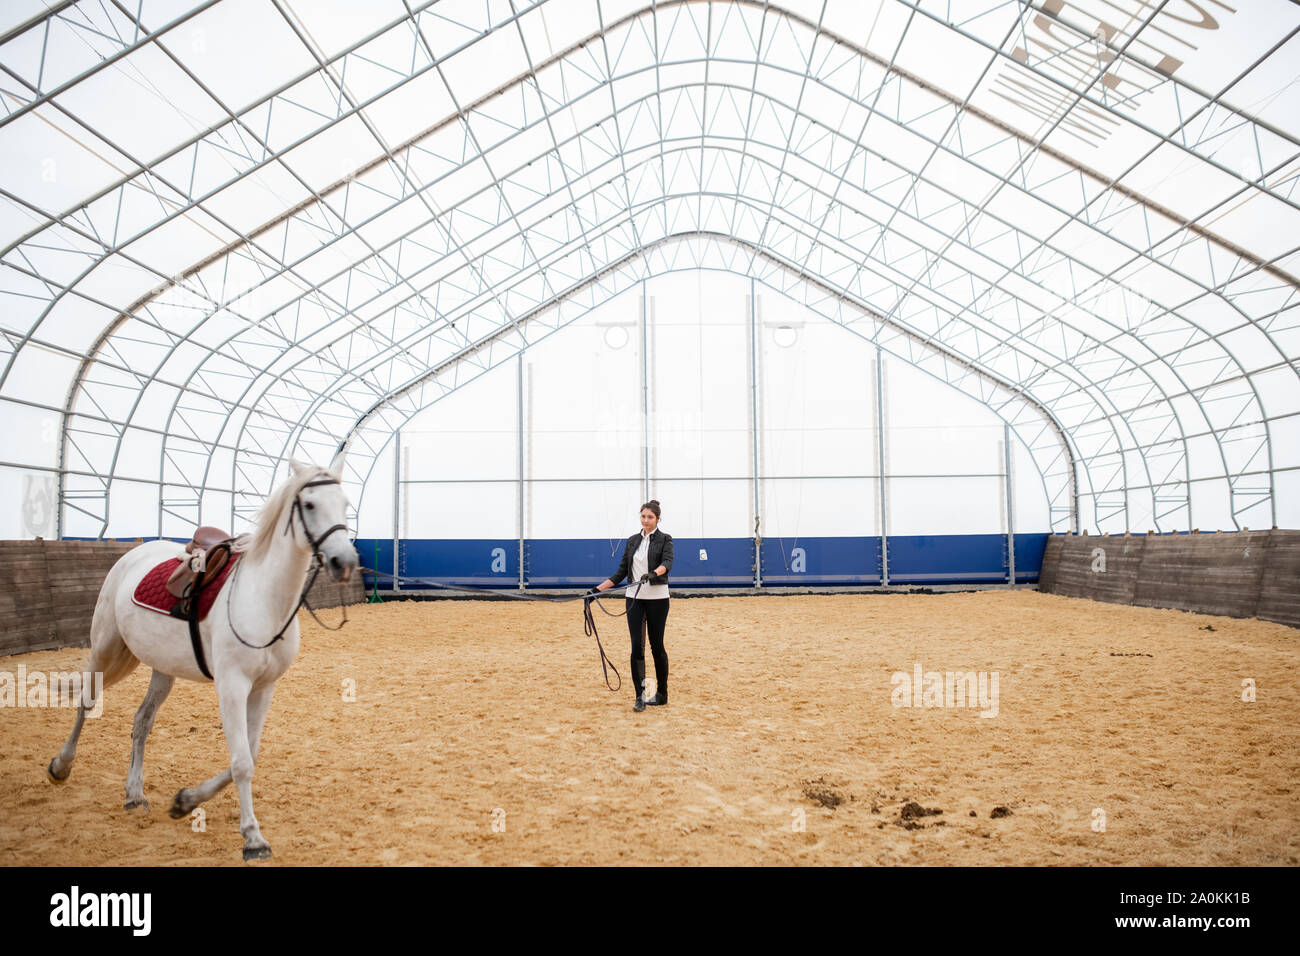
661	693
638	681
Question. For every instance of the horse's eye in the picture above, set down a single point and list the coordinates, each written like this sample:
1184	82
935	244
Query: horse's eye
310	506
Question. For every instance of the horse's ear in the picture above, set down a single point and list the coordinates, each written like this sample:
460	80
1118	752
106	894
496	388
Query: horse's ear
336	466
298	467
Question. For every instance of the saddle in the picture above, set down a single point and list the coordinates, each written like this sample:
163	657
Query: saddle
187	587
207	554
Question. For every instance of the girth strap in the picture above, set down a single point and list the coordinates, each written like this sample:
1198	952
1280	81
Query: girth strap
197	642
193	615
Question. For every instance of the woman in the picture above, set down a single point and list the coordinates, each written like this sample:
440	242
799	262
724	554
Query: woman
647	559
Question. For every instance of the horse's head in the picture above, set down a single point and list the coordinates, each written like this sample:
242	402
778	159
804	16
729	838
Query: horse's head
320	514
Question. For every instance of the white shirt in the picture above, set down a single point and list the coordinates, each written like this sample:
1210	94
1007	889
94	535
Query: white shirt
640	566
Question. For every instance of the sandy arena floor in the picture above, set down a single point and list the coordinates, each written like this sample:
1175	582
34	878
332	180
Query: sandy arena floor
482	733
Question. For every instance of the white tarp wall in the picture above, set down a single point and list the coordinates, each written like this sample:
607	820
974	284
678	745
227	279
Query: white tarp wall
235	231
580	428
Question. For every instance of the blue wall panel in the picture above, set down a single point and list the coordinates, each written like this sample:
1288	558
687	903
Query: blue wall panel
728	562
1029	556
575	562
947	558
798	561
570	562
376	553
481	562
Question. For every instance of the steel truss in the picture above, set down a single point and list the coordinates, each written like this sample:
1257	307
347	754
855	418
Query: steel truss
1122	340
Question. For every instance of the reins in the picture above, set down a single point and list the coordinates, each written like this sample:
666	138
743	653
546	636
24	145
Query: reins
318	562
589	628
588	619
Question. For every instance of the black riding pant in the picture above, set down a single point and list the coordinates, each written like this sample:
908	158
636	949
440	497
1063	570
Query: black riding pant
654	614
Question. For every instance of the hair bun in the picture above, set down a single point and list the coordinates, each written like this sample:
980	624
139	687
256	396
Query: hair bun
655	501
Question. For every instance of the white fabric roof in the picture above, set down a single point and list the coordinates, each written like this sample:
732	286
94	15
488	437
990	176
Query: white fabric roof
241	230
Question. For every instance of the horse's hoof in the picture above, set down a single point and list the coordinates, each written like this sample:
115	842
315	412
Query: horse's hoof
133	804
179	808
55	777
256	853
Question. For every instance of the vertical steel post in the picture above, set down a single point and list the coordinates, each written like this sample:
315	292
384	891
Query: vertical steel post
397	507
519	435
645	394
882	478
1011	498
754	430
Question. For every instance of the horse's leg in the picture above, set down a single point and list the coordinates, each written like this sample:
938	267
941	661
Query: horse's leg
190	797
259	703
160	686
234	689
110	657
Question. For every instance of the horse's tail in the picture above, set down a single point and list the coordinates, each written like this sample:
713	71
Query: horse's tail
108	651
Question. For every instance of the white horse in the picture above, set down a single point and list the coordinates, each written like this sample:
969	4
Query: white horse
299	522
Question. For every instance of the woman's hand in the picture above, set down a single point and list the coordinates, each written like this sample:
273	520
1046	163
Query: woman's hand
605	585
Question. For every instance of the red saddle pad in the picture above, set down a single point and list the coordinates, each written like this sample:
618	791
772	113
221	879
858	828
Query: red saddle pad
152	591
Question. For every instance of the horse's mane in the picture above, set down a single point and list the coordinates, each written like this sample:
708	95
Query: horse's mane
272	515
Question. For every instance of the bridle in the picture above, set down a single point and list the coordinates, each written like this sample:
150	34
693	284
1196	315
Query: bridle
298	510
318	562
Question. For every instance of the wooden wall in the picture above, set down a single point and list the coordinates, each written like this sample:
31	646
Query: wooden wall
1237	574
325	593
48	591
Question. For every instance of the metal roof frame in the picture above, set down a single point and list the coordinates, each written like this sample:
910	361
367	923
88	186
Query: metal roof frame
1126	406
